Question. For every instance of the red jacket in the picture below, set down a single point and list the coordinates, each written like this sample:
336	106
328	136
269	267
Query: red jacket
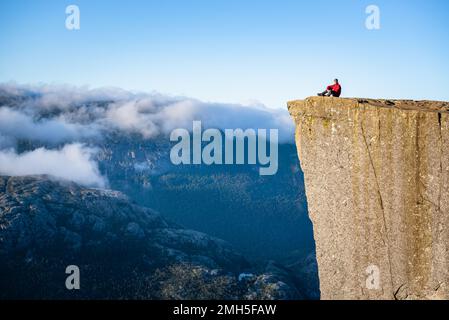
335	87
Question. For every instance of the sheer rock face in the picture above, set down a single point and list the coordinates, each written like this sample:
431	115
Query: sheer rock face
377	184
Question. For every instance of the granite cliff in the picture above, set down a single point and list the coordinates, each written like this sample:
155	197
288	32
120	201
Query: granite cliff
377	185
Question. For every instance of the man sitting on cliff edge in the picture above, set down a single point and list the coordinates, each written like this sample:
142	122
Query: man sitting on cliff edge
333	90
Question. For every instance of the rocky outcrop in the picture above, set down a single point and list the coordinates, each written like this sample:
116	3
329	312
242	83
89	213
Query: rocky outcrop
122	250
377	185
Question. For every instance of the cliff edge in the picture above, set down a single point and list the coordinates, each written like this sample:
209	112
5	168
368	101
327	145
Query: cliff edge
377	184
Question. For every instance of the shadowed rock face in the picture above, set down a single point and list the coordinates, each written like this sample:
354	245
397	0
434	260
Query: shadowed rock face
123	250
377	185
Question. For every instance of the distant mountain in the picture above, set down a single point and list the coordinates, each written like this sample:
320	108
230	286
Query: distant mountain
122	250
263	217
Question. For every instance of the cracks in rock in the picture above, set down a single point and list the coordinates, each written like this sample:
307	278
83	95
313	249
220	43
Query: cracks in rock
441	163
385	237
395	294
381	203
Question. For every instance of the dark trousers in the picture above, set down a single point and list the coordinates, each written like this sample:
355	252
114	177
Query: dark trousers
330	93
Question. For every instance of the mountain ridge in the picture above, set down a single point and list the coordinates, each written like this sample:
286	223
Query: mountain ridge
123	250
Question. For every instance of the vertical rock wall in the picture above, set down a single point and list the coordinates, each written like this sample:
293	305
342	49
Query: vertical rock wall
377	185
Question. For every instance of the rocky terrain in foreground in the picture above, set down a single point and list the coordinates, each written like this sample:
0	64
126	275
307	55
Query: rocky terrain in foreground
123	250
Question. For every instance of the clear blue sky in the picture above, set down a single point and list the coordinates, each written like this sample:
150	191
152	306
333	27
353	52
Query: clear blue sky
231	50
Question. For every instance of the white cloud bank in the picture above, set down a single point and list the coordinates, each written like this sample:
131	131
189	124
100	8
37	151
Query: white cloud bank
74	111
72	162
56	115
20	125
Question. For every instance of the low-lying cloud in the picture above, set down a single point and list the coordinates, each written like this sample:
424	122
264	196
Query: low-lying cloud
64	119
72	162
45	110
20	125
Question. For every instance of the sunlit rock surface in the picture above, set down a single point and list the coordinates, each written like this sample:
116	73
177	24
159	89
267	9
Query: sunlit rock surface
377	185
